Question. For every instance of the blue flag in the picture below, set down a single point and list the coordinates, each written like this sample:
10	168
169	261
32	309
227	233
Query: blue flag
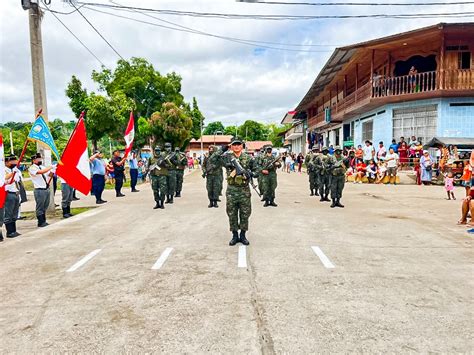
40	132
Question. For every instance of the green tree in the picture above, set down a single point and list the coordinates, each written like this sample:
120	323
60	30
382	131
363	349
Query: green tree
171	124
77	96
198	119
275	131
214	127
230	130
253	131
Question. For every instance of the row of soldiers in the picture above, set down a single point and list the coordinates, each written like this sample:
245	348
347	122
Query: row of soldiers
166	170
327	174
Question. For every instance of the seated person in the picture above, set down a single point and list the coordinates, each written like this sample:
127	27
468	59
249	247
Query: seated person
371	171
381	172
360	171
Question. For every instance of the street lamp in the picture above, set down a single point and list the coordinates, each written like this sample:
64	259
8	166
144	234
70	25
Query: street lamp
216	132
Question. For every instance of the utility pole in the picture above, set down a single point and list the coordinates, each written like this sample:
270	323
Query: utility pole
35	16
11	141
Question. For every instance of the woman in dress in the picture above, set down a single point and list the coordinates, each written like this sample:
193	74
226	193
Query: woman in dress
403	154
426	165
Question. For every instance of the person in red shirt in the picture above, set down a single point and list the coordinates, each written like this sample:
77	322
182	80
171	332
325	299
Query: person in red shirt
360	171
359	154
403	153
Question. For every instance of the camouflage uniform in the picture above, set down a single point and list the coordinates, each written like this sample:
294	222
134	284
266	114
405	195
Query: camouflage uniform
258	162
182	162
323	165
172	163
313	173
212	171
158	170
238	192
269	181
339	166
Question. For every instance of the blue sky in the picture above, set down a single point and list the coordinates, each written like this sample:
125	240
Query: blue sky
232	82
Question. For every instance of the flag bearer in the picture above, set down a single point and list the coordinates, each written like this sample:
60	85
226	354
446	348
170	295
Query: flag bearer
39	176
12	201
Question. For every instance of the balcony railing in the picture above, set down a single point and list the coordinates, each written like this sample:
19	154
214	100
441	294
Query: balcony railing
314	120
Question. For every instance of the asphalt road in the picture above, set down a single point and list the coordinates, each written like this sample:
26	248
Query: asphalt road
389	273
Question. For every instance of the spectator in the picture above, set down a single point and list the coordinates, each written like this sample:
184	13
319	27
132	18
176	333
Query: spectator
412	78
284	161
360	171
466	177
359	153
133	165
394	145
467	208
110	172
449	185
426	166
369	152
392	159
371	171
289	163
413	141
382	151
403	153
300	160
381	172
331	150
98	171
190	163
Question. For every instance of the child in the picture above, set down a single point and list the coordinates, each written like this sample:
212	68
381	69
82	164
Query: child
449	185
360	171
381	172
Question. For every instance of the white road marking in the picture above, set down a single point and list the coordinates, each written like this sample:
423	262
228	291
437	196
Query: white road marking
242	256
161	260
84	260
324	259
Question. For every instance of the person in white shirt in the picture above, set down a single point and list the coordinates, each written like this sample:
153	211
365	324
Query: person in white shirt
392	159
369	152
67	195
382	152
12	200
40	176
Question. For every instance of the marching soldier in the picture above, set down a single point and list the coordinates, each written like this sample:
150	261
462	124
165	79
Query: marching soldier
158	171
240	169
12	200
322	164
171	177
39	175
258	161
313	173
268	167
339	166
212	170
182	162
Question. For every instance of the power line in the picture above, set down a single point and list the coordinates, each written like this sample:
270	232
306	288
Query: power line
207	34
188	29
281	17
364	3
97	31
72	33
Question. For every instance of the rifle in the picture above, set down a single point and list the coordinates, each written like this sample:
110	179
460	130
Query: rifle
239	170
272	163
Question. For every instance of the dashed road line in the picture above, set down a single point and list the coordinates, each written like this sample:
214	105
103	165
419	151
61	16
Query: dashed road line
84	260
242	256
324	259
161	260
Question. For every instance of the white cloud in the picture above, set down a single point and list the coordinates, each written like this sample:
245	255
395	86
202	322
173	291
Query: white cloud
232	82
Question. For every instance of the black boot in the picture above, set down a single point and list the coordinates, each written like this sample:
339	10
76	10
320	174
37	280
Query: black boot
316	192
326	198
267	203
263	199
235	238
243	240
215	204
10	230
162	204
1	236
272	203
333	203
338	203
15	233
167	199
43	221
321	199
69	211
178	194
157	205
65	214
312	192
171	198
211	204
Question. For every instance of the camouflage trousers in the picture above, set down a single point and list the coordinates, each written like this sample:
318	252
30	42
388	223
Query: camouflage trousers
260	183
313	178
159	185
269	185
171	180
221	182
324	184
337	185
238	207
179	180
213	186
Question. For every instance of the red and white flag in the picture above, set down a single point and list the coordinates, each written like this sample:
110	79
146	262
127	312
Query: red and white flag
74	166
129	134
2	173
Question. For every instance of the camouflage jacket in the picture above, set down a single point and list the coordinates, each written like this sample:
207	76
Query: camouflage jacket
159	165
323	164
264	162
339	165
247	163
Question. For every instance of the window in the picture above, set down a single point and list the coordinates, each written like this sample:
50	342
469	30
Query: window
464	60
367	130
419	121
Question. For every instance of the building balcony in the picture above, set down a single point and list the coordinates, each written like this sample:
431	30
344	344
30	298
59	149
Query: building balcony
294	133
380	91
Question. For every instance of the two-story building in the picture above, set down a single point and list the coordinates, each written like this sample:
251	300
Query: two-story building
417	83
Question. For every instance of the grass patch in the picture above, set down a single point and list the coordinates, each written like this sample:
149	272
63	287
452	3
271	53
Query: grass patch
58	213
